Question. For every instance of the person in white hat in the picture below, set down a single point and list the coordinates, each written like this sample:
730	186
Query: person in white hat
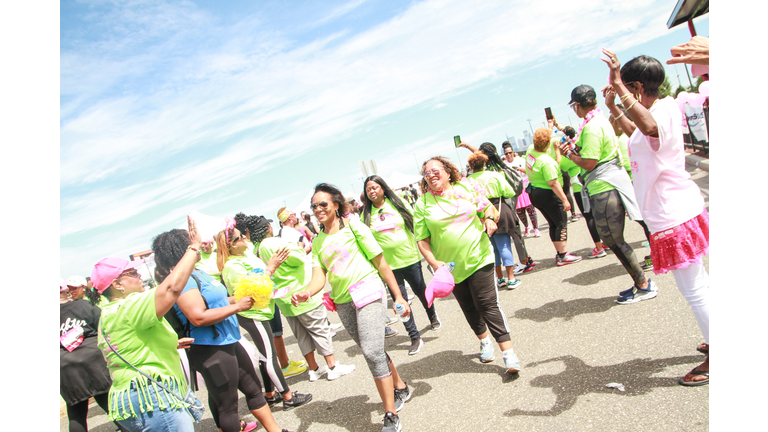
76	285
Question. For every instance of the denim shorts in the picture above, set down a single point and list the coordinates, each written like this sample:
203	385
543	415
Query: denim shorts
167	420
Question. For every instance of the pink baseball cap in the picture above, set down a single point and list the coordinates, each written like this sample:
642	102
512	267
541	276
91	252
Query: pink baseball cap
441	285
109	269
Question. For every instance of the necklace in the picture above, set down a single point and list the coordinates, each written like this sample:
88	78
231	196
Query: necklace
445	193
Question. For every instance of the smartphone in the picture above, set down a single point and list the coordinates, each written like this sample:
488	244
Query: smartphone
457	141
548	113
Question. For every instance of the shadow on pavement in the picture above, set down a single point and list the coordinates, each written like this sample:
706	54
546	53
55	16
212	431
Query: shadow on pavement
566	309
351	413
609	271
579	379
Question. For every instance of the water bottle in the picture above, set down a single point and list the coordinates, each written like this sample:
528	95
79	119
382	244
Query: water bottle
400	310
558	135
451	265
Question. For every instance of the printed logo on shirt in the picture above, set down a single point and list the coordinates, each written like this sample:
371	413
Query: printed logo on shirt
635	167
71	323
529	161
337	259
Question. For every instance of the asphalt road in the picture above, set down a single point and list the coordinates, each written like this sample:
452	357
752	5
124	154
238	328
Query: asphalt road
571	337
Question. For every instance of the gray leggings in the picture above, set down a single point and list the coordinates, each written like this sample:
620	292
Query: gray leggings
608	211
366	326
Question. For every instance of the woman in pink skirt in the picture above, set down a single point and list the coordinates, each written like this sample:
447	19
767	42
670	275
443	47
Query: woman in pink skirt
523	201
670	202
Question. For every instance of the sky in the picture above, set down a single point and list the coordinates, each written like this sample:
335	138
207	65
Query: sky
169	108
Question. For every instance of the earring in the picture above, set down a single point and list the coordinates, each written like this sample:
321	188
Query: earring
639	98
337	214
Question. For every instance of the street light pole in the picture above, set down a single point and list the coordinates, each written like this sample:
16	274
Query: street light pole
529	125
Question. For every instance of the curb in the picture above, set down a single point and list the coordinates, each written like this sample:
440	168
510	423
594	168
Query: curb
697	161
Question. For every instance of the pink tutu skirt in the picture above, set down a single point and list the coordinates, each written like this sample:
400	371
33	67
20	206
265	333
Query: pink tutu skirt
523	200
679	246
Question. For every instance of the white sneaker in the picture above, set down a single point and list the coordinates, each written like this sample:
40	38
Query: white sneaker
315	375
335	326
339	370
519	269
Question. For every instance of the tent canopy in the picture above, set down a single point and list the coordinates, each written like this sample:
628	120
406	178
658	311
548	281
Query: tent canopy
397	179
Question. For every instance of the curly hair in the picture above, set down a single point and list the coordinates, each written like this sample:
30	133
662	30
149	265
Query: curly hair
250	226
169	247
477	161
541	139
453	172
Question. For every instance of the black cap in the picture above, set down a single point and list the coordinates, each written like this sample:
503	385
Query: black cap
583	93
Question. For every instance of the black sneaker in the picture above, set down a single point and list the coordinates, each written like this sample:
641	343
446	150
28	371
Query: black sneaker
391	423
271	401
648	264
298	399
401	397
415	347
435	321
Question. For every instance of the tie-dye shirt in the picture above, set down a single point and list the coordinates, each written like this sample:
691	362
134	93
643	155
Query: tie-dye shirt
390	232
451	221
346	257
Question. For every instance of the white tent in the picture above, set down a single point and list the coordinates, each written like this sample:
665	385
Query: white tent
397	179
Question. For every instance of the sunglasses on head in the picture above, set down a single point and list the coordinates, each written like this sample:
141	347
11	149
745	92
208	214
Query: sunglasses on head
320	204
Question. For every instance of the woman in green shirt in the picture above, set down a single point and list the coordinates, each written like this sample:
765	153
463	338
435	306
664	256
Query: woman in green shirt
133	322
547	194
391	222
452	221
498	189
347	252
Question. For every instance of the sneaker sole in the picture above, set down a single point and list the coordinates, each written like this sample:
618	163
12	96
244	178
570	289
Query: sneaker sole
652	294
566	263
597	256
510	287
487	361
512	370
421	344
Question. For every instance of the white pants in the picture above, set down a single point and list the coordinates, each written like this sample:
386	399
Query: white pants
693	283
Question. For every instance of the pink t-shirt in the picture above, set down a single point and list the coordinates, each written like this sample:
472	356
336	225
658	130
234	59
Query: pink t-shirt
665	192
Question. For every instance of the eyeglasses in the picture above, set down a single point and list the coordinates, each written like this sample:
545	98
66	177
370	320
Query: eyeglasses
320	204
506	153
130	273
432	172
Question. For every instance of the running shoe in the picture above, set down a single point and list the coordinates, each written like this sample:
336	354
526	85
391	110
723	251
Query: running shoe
574	218
527	232
294	368
389	332
248	427
510	361
410	298
597	253
315	375
567	259
435	321
391	423
501	283
401	397
272	401
486	350
637	294
391	320
519	267
531	262
648	264
415	347
536	233
297	399
339	371
514	284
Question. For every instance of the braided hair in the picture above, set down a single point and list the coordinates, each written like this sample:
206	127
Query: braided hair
251	225
494	160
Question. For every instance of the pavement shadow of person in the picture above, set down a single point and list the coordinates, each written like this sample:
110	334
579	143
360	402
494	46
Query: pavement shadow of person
580	379
447	362
605	272
566	309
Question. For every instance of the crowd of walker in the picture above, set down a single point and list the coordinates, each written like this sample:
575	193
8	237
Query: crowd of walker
138	351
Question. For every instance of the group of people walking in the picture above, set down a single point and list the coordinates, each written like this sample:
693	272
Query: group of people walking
130	351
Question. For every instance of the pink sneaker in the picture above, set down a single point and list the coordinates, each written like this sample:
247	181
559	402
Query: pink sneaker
536	233
527	232
597	253
248	427
567	259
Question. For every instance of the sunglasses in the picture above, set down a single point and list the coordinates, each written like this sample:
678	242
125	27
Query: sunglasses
320	204
432	172
506	153
131	273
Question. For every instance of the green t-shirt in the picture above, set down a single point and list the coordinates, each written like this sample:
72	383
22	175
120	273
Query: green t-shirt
133	329
235	268
209	265
346	257
295	273
598	141
494	183
452	223
573	170
396	241
541	168
623	140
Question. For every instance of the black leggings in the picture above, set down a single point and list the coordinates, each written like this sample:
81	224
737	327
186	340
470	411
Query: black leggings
77	414
271	373
517	236
479	300
226	369
554	212
608	210
588	218
415	278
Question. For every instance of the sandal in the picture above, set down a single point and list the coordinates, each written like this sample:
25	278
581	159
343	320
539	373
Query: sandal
703	348
694	372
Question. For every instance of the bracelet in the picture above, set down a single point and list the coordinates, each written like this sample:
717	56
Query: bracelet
614	120
630	106
193	249
625	97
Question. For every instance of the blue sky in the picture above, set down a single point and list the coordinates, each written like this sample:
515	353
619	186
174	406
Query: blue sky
170	108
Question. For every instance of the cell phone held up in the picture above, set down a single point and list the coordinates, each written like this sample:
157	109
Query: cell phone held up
548	113
456	141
